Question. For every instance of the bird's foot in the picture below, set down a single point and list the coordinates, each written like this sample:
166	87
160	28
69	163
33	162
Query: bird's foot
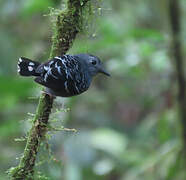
51	95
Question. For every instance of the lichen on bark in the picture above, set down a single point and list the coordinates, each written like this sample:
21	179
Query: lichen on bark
67	24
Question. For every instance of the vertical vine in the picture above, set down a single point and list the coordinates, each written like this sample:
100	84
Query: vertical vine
175	19
67	24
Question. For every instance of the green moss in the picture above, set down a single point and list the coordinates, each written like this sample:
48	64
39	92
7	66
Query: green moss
66	26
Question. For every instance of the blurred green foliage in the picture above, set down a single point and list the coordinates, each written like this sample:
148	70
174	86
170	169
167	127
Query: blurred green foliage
128	125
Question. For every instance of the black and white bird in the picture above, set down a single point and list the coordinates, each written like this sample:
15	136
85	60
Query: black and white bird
64	76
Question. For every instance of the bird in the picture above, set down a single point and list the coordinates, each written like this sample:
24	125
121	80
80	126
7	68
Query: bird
65	75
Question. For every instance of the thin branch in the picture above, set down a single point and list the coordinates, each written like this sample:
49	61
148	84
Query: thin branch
175	17
68	24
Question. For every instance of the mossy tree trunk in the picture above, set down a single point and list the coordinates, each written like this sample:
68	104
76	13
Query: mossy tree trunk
68	23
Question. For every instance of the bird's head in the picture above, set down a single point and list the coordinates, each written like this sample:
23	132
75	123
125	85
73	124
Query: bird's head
93	64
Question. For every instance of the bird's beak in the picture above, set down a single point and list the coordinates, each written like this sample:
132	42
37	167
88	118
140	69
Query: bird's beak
102	70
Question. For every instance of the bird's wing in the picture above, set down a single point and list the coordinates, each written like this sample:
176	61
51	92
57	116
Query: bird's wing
59	73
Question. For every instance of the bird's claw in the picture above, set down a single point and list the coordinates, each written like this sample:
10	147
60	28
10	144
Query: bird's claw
45	92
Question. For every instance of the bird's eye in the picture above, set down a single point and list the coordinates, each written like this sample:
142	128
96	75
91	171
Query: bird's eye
93	62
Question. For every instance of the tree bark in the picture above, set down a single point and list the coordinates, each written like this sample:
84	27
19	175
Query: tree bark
68	24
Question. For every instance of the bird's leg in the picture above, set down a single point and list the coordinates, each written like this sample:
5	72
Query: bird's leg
48	93
47	90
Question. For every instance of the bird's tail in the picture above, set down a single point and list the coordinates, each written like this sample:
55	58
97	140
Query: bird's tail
27	67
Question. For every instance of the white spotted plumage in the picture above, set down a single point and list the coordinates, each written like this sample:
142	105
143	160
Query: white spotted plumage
18	68
20	60
64	61
65	75
30	68
67	68
66	86
31	64
46	68
48	73
58	68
